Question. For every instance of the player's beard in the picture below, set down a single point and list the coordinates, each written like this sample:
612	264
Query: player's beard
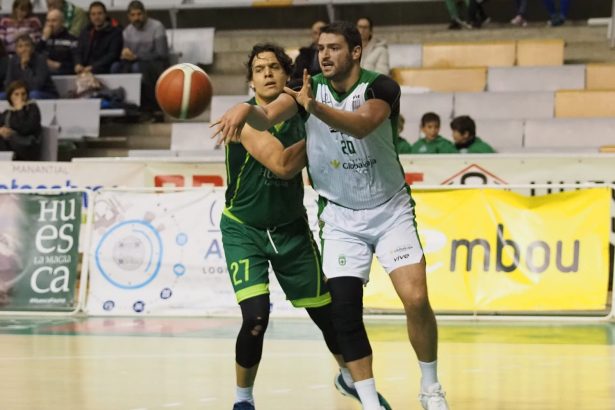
341	71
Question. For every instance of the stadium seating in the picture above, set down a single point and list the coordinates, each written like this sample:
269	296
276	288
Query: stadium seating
192	45
221	103
585	103
61	114
578	133
540	52
505	105
442	79
600	77
405	55
131	83
469	54
546	78
49	143
6	155
195	136
413	106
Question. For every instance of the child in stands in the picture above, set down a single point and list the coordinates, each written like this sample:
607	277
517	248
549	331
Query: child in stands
432	142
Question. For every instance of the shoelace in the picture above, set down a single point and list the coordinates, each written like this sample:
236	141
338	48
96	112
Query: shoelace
438	395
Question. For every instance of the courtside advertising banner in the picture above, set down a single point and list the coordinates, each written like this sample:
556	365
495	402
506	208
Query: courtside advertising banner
497	251
70	175
161	253
39	241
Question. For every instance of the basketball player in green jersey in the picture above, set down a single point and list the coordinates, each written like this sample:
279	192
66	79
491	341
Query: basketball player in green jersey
264	221
365	205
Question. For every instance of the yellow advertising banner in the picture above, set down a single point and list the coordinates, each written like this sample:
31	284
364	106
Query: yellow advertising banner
497	251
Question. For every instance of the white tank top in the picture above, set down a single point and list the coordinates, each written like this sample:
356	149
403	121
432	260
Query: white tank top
354	173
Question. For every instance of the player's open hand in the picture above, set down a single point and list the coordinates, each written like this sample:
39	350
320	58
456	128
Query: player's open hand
304	96
228	128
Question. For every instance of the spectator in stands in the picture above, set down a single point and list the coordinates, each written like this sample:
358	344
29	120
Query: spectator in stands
57	44
464	135
20	125
308	56
453	11
30	67
402	145
4	63
476	14
21	21
432	142
557	17
100	42
146	51
375	54
75	18
520	18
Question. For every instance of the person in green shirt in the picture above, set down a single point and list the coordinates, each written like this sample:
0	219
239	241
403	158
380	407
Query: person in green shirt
402	146
432	142
466	141
265	222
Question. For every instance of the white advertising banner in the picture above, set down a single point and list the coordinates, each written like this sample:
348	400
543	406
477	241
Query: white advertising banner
162	254
502	169
84	175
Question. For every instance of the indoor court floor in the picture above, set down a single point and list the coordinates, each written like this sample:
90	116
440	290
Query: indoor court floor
188	363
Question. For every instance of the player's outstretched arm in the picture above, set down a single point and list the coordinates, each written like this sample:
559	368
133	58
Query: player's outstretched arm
359	123
229	127
285	163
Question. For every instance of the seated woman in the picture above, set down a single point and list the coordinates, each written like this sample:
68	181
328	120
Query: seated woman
20	125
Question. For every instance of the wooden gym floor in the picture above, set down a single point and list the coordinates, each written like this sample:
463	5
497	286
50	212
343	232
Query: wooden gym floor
187	363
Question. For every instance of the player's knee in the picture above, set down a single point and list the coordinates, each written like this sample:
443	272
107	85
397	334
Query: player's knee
415	300
255	325
348	323
249	347
347	317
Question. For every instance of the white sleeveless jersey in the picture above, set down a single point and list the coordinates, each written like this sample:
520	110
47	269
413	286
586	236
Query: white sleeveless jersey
354	173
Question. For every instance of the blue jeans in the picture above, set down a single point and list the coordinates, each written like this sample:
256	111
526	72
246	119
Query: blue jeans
564	7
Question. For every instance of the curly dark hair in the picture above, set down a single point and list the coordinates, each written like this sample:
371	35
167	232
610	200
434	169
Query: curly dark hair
280	54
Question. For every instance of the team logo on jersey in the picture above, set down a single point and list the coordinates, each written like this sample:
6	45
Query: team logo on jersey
360	164
335	164
356	102
341	260
326	99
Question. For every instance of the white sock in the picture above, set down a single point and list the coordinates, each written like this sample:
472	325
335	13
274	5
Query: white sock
244	394
429	373
347	376
367	393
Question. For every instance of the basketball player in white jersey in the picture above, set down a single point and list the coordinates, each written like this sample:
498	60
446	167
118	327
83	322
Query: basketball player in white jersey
365	206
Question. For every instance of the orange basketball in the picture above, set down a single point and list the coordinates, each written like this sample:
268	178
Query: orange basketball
184	91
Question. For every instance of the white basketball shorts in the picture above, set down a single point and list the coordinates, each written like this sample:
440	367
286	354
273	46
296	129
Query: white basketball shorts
351	237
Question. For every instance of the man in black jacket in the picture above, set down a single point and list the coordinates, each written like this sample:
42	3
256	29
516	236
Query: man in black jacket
308	57
100	42
58	44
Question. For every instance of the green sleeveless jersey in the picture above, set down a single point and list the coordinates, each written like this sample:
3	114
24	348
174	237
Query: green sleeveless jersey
254	195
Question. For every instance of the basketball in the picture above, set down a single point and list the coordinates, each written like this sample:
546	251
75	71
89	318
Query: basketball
184	91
